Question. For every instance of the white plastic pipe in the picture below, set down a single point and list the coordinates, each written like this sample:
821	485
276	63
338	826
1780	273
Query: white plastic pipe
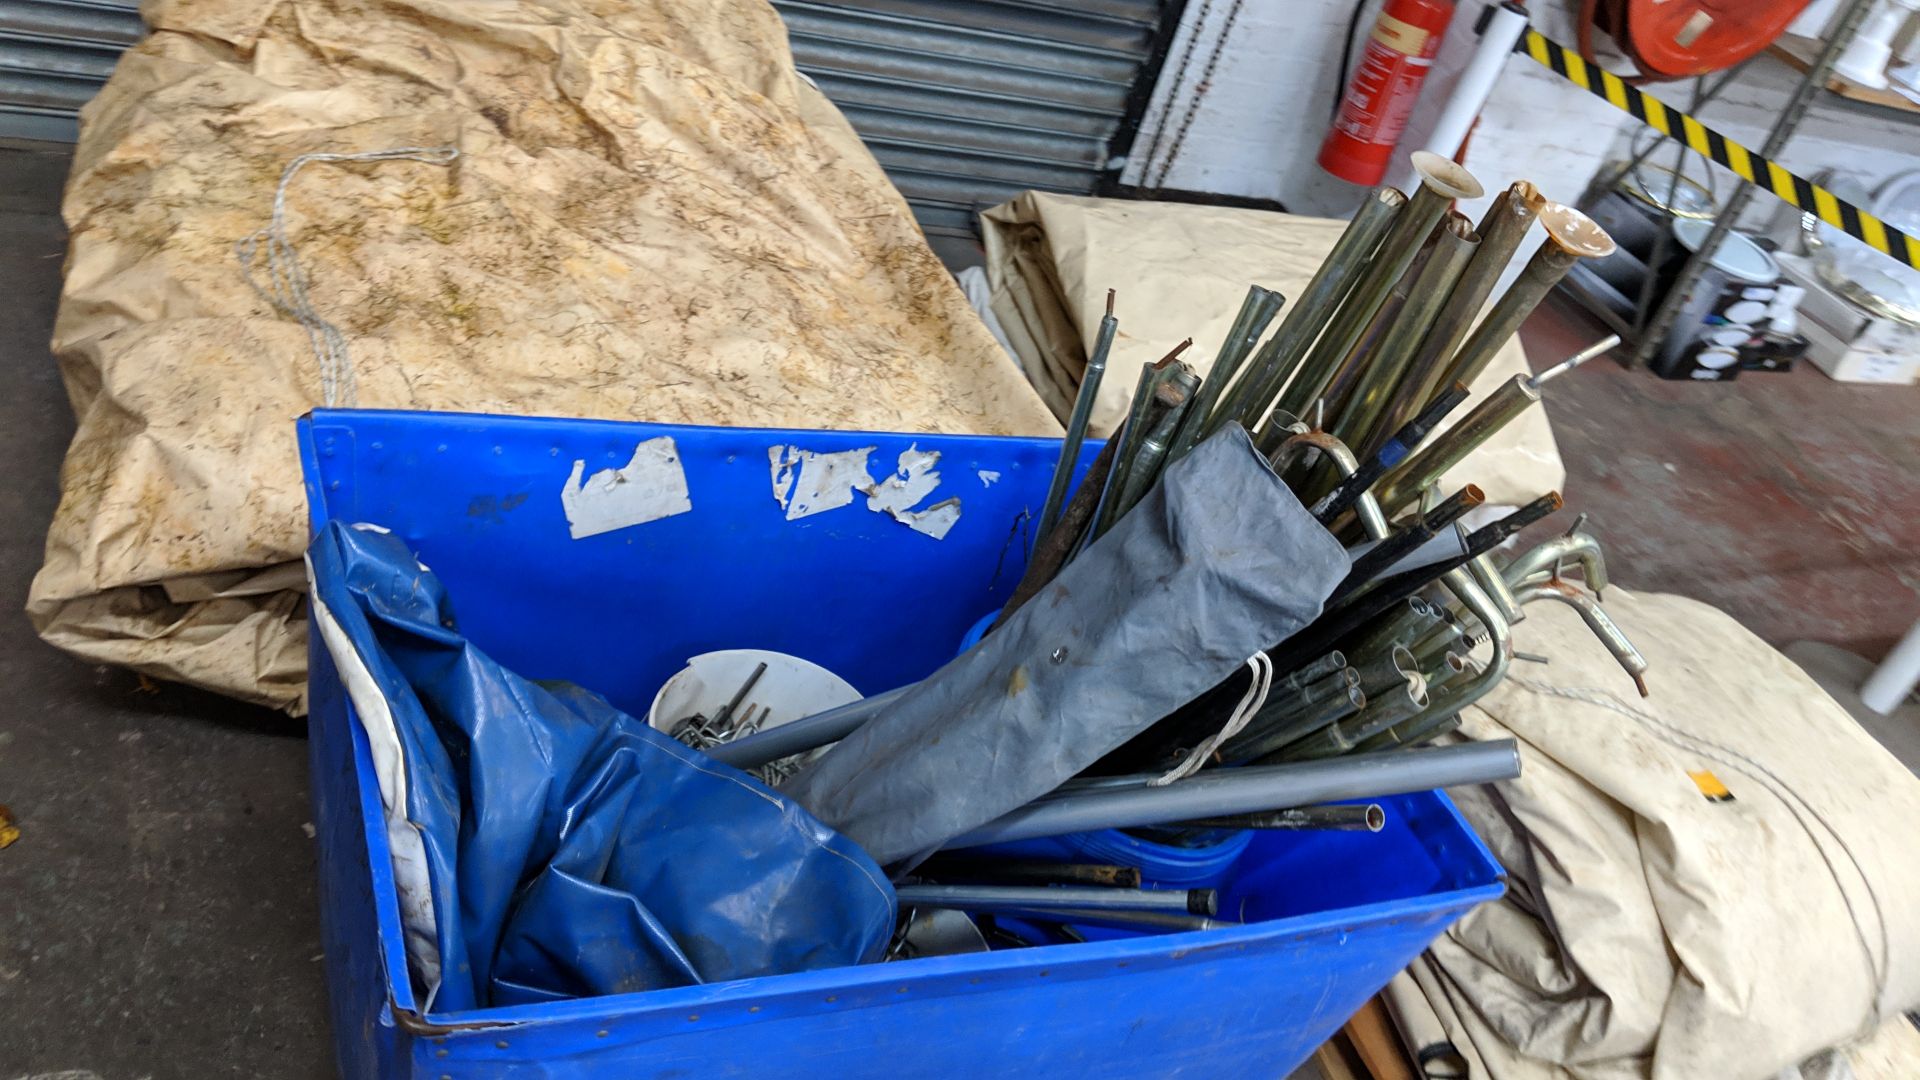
1475	86
1896	676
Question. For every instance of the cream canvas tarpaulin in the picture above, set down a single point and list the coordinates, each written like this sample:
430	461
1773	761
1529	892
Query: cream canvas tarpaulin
1717	881
1181	271
641	212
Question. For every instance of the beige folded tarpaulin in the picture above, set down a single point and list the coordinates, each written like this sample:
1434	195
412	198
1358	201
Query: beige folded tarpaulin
651	217
1718	881
1181	271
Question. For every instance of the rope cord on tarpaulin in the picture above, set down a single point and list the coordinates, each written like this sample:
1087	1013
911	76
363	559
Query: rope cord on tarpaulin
1803	813
1256	696
286	287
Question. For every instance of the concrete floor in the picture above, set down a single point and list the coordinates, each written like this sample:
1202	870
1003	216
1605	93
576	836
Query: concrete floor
1790	501
157	915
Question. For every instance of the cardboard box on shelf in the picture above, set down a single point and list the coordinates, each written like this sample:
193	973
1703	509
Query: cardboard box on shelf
1844	362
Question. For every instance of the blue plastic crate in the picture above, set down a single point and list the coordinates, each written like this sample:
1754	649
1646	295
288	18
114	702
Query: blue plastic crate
1330	916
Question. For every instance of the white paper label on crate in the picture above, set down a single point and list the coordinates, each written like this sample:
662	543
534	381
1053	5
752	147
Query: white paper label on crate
987	477
651	486
805	482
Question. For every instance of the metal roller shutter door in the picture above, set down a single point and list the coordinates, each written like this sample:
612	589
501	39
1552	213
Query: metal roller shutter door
967	103
54	54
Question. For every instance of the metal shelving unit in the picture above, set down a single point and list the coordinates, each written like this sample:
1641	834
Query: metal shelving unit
1645	320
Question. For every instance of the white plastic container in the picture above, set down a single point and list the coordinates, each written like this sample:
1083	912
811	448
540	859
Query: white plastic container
790	689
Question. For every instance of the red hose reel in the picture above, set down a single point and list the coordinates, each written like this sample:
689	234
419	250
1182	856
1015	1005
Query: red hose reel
1676	39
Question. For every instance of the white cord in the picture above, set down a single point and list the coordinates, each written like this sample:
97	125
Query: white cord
1250	704
286	288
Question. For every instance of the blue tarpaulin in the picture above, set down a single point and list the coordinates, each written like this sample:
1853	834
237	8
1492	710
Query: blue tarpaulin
547	845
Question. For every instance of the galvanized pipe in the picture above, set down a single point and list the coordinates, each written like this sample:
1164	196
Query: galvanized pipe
1598	621
1139	417
1488	577
1256	312
1384	709
1578	547
1387	454
1077	422
1129	442
1361	418
1402	625
1403	485
1441	183
1335	624
1254	744
1501	229
1248	790
1173	397
1296	447
1353	365
1499	636
1571	236
1249	400
1319	669
1298	700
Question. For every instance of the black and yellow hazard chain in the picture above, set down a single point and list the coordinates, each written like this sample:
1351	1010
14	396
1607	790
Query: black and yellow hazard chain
1745	163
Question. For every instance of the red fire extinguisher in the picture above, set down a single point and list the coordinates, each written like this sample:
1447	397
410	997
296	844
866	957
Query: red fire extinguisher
1384	86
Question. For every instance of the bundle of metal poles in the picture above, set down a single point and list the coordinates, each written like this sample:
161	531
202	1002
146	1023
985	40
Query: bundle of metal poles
1349	397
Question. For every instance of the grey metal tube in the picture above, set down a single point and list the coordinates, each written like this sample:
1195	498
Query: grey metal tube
1441	182
1599	622
1041	897
1241	791
1077	422
806	733
1345	817
1359	421
1256	312
1249	400
1126	920
1571	236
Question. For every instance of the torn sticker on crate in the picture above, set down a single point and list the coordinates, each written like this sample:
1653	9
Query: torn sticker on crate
806	482
651	486
823	481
